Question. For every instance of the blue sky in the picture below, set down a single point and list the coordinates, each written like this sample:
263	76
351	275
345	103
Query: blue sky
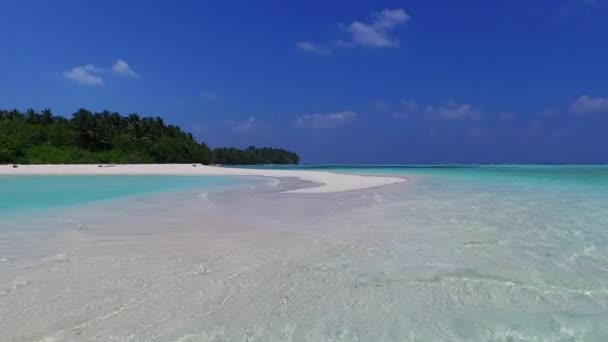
419	81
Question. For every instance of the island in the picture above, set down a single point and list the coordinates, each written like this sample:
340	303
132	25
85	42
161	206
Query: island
33	137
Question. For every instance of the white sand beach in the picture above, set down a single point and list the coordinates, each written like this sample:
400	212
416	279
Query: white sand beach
328	182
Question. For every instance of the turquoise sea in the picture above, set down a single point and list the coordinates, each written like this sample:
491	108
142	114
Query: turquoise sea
459	253
496	253
589	181
20	194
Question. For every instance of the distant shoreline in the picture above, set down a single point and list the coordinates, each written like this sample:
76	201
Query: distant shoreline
328	182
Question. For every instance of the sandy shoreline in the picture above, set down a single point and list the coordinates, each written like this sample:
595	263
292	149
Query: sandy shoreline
329	182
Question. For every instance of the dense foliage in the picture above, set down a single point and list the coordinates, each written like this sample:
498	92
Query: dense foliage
107	137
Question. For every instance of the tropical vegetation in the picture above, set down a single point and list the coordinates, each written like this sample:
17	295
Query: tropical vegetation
33	137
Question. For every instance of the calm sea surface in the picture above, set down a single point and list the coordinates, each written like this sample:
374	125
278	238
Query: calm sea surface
459	253
507	253
37	193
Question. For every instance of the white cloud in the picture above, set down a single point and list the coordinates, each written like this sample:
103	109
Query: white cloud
87	74
449	110
401	111
409	105
248	125
400	115
325	121
563	132
453	111
376	34
505	117
313	48
122	68
209	96
91	75
406	109
587	104
390	18
381	106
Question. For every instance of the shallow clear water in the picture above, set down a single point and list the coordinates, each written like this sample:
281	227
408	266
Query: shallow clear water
458	253
493	252
36	193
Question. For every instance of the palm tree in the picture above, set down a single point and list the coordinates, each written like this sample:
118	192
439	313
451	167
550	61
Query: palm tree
47	116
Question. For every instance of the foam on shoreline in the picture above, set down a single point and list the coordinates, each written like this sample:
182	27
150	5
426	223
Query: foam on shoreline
328	182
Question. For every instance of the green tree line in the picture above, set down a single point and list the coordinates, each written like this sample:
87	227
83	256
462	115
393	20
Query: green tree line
33	137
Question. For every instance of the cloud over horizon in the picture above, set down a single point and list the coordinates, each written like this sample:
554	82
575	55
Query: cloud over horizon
313	48
454	111
507	116
251	124
325	121
403	110
406	109
586	104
